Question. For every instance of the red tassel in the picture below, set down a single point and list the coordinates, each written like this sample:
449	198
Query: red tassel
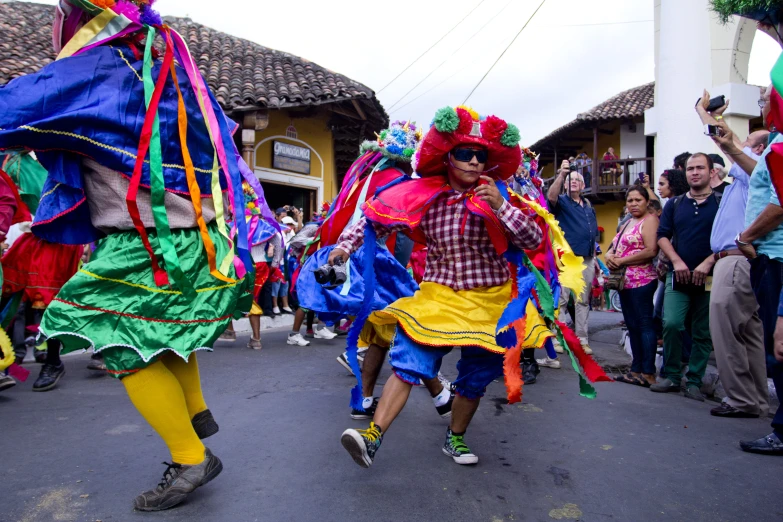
593	371
512	370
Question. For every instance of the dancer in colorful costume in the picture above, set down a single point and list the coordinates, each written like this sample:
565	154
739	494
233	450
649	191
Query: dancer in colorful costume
35	269
469	298
139	155
382	163
8	212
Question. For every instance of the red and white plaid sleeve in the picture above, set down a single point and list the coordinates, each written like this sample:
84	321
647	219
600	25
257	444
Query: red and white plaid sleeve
353	237
524	232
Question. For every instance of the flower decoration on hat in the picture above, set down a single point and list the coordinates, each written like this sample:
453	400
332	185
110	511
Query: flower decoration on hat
252	206
139	11
767	11
398	142
454	126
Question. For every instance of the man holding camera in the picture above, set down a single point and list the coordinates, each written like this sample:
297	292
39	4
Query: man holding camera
579	223
735	326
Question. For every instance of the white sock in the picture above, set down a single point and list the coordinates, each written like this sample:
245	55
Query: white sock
367	402
442	398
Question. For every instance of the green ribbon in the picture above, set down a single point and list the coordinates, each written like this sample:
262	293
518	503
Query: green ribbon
776	74
158	185
547	302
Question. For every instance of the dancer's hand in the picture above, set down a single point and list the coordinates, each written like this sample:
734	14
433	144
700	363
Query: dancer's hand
489	192
338	253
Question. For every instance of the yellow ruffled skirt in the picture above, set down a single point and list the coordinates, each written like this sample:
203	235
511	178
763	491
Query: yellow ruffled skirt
439	316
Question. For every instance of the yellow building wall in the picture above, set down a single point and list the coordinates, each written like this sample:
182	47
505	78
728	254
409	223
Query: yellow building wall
313	131
604	142
608	215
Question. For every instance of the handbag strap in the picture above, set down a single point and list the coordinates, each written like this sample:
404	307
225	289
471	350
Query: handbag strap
620	236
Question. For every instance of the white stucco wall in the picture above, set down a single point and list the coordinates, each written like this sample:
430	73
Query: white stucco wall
633	144
694	52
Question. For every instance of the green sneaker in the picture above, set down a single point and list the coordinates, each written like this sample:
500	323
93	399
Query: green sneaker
456	448
362	444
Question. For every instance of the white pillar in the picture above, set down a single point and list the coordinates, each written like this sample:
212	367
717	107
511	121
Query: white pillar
694	51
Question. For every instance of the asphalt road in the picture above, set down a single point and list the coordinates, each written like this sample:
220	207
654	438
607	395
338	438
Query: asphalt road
81	452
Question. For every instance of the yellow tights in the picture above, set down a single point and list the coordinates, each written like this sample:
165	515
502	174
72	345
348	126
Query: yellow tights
189	380
158	392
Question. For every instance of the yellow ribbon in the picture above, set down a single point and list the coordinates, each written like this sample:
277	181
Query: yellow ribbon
87	33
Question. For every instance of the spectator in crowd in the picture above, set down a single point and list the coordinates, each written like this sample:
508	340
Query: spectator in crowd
718	174
762	243
579	223
291	219
655	208
736	329
635	248
683	235
614	169
680	160
672	183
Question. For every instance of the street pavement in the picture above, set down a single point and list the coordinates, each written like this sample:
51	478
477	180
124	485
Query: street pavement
81	452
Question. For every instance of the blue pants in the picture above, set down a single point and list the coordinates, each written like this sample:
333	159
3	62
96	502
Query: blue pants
638	314
766	276
476	368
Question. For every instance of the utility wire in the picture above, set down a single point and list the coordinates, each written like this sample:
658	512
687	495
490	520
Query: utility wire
450	56
504	52
430	47
398	109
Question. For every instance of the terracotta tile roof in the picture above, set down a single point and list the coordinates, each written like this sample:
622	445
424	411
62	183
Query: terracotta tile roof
624	106
242	74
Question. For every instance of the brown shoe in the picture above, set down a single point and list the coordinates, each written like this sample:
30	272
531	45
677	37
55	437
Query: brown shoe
254	344
727	410
178	482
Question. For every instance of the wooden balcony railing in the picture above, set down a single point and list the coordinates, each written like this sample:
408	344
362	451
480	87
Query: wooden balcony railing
615	175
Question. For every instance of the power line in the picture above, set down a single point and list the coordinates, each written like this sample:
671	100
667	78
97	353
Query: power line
430	47
504	52
450	56
398	109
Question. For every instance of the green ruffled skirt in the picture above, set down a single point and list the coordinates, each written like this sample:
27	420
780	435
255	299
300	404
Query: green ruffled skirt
113	306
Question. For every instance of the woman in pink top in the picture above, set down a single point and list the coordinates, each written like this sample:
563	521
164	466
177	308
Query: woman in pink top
634	247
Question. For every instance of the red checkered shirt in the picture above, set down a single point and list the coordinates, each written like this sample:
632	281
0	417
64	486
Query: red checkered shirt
460	254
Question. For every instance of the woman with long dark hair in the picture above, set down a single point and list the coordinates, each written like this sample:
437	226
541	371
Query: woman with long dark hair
634	248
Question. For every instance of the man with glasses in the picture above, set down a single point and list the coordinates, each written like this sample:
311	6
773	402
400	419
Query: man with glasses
579	223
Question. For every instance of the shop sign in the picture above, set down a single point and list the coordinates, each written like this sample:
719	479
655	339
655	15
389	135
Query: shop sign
290	157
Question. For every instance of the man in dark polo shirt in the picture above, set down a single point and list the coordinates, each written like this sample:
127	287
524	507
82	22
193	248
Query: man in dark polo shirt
684	236
580	226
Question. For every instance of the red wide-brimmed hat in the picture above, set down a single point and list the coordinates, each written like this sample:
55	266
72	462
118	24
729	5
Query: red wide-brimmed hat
452	127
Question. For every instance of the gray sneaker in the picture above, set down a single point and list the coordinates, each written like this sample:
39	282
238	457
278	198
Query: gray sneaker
665	385
6	381
178	482
693	392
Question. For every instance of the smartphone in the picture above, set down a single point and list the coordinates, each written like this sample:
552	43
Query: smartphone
711	130
715	103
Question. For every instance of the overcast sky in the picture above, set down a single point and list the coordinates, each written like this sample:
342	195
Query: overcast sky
550	73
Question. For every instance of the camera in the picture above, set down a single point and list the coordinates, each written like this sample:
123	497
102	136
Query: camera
715	103
712	130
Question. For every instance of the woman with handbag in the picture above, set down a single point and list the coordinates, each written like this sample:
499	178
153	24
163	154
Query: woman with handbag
633	275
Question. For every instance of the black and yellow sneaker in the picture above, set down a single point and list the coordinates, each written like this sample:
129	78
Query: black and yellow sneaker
456	448
362	444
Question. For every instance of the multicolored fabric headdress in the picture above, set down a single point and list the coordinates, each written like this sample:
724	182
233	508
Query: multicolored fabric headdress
767	11
452	127
529	161
398	142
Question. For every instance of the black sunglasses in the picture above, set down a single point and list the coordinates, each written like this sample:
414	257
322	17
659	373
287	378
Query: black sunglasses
466	154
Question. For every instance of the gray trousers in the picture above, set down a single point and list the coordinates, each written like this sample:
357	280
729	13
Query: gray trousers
738	336
582	302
